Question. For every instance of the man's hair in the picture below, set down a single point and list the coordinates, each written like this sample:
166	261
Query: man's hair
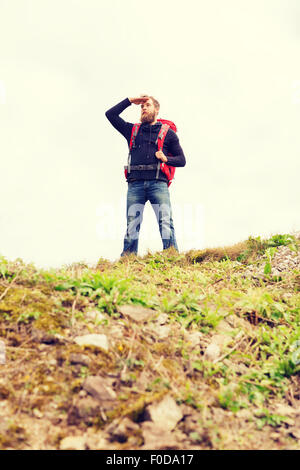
155	102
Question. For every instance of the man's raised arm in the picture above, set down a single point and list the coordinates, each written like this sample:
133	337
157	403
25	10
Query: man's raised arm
113	115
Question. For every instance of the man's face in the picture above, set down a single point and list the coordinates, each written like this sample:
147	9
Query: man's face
148	112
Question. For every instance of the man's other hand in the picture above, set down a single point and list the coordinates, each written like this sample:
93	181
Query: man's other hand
161	156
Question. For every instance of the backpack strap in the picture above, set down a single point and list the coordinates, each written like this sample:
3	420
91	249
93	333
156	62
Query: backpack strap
162	135
134	132
160	142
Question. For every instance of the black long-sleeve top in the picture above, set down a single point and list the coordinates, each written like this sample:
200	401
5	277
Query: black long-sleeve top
145	146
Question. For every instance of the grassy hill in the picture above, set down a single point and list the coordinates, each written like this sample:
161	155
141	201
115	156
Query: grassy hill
195	350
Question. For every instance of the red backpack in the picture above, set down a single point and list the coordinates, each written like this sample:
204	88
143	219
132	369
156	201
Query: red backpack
168	170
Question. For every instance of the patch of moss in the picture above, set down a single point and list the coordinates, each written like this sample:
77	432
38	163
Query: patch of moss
23	305
134	407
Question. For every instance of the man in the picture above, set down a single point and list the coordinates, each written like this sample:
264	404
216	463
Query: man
147	184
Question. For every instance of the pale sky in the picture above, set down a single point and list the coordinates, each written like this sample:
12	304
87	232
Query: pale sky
226	72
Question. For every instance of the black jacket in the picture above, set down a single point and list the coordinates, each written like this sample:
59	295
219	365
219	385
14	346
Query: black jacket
145	146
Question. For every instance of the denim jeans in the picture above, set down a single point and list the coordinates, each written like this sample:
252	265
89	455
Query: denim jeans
157	192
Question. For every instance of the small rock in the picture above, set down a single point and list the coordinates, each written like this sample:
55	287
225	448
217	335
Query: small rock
157	438
285	410
239	368
237	322
116	332
221	339
73	443
244	414
137	313
99	389
95	315
83	410
99	341
42	337
223	326
37	413
162	331
122	430
80	359
96	442
162	319
275	436
165	414
212	352
191	423
220	415
87	406
194	338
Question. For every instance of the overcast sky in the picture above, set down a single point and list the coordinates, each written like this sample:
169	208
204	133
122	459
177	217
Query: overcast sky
226	72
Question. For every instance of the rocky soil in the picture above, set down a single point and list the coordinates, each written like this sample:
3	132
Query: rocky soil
89	367
283	260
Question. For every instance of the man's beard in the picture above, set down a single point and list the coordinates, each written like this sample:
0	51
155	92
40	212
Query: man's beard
148	117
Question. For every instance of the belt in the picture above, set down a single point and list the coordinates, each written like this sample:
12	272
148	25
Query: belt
142	167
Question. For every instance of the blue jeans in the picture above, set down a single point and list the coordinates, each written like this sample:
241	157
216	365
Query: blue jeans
157	192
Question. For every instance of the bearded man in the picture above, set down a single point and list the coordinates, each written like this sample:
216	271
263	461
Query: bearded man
145	182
